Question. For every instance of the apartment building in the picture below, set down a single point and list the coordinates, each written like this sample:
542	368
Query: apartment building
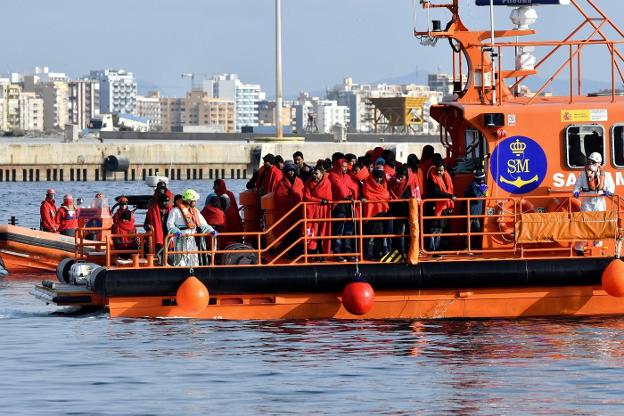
83	102
118	90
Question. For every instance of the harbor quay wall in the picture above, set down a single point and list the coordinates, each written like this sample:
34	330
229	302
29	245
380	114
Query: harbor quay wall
178	160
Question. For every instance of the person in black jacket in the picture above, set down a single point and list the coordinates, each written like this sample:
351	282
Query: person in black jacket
476	189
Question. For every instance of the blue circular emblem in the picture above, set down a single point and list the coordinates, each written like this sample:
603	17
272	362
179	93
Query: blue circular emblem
518	165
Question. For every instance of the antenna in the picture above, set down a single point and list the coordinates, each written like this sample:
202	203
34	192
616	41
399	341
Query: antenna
494	54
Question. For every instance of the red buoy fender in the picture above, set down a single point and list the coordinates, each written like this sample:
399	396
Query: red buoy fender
192	296
613	278
358	298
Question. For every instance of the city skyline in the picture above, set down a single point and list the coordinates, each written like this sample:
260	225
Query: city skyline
323	41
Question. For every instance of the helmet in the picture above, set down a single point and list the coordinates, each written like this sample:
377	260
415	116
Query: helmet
190	195
595	157
68	198
51	192
122	200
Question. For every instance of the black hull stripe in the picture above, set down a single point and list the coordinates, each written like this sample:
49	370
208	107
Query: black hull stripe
331	279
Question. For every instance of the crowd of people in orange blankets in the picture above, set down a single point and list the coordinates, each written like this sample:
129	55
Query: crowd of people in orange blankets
375	179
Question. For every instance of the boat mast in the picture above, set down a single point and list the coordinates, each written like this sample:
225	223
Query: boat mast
278	69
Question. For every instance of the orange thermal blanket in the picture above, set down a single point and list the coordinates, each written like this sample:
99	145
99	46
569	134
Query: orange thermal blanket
563	226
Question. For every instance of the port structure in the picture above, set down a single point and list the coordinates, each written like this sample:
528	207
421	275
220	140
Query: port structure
398	114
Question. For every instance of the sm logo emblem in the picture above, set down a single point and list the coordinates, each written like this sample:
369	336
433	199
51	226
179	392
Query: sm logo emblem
518	165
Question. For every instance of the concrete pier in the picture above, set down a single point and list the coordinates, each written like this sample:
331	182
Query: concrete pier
185	158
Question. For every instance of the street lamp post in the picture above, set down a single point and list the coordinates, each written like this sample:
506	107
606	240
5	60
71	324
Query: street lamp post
278	69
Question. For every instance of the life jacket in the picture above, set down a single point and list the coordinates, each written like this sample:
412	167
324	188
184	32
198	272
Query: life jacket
189	214
595	184
68	218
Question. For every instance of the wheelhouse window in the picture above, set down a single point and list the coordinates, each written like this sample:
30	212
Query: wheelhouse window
581	141
617	145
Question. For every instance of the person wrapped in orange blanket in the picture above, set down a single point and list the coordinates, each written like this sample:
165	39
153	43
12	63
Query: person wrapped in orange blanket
318	190
377	195
156	221
440	186
288	193
123	229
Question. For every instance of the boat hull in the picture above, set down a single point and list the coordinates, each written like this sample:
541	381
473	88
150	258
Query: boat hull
414	304
26	251
444	290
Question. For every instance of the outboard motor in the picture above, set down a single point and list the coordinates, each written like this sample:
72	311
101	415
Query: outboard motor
77	273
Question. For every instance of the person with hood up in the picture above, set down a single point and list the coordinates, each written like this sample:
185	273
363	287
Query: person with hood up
233	221
156	220
185	220
48	213
213	214
377	196
268	175
440	186
288	193
318	190
67	216
403	186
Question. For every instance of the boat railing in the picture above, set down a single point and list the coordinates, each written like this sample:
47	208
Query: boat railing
288	240
140	249
497	227
403	233
479	59
86	241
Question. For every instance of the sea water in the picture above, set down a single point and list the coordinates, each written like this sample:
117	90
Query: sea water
54	364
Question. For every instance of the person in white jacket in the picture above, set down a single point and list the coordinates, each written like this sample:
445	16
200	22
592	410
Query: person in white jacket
594	185
183	221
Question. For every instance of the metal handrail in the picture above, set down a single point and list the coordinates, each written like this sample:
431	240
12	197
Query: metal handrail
507	210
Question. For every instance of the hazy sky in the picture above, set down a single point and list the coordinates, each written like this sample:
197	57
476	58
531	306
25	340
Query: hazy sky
323	40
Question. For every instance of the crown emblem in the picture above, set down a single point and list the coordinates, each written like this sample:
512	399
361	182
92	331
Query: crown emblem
517	147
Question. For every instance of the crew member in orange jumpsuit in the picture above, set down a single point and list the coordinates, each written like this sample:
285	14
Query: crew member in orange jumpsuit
67	216
48	213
